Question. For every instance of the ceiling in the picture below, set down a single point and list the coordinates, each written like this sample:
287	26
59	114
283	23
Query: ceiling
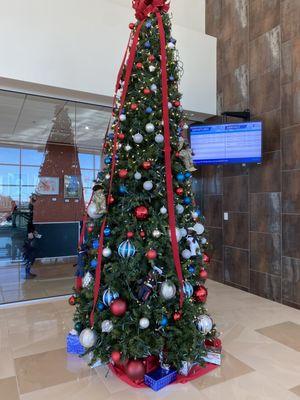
36	120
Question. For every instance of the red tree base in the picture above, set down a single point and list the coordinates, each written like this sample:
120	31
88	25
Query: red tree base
195	373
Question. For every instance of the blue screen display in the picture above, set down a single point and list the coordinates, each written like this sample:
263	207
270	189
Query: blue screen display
227	143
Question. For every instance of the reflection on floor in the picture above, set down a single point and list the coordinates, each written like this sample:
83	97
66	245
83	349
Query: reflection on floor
53	279
258	363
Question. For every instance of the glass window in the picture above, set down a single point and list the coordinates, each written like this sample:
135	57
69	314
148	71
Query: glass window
9	175
86	160
29	175
32	157
9	155
8	193
87	195
87	177
97	163
26	192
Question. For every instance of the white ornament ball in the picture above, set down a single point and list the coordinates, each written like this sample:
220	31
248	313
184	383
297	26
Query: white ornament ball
150	128
203	240
107	176
128	147
170	105
183	232
159	138
153	87
92	211
171	45
185	126
204	324
122	117
186	254
152	68
88	338
179	209
156	233
87	280
168	290
106	252
107	326
199	229
163	210
148	185
138	138
137	176
144	323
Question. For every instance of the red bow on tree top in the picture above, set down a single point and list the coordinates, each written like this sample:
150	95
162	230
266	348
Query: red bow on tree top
145	7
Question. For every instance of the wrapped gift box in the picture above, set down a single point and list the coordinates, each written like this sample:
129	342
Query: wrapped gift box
213	358
186	368
160	378
73	344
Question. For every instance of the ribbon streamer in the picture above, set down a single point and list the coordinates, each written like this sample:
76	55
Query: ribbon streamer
167	151
113	167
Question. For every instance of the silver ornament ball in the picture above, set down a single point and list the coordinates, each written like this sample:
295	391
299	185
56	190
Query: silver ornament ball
150	128
179	209
159	138
88	338
204	324
107	326
144	323
168	290
186	254
92	211
137	176
122	117
106	252
148	185
156	233
137	138
163	210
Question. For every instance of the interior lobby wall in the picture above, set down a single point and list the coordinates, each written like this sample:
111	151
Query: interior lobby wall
79	46
258	66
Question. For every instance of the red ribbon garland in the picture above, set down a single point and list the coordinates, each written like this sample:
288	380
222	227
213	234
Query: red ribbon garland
113	167
145	7
167	150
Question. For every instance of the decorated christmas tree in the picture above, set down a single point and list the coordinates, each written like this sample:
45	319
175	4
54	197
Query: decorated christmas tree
142	256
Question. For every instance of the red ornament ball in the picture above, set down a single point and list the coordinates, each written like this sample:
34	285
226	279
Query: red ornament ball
118	307
110	199
130	235
134	106
177	154
151	254
177	103
201	294
179	191
121	136
115	356
141	213
131	25
135	370
139	65
147	91
123	173
146	165
151	58
72	301
90	229
206	258
177	316
142	234
203	274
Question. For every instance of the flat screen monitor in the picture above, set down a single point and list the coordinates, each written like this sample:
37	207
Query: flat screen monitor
227	143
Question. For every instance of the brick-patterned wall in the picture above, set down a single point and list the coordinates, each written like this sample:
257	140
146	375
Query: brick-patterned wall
258	248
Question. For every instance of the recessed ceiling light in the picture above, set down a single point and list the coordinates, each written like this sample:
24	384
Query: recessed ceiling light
87	128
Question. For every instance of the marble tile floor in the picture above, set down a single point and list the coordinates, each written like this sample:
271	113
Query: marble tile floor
261	355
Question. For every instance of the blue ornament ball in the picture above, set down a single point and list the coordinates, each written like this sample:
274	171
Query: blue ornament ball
100	306
171	78
180	177
111	136
108	160
191	269
107	232
126	249
164	321
188	289
148	24
149	110
94	263
109	296
187	175
95	244
147	45
122	189
187	201
172	40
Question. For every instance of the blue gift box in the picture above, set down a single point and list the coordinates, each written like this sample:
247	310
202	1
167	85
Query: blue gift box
73	345
160	378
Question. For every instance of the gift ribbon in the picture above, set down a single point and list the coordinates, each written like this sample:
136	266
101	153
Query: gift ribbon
129	68
145	7
168	162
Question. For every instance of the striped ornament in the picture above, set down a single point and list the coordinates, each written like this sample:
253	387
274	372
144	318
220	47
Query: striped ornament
109	296
188	289
126	249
